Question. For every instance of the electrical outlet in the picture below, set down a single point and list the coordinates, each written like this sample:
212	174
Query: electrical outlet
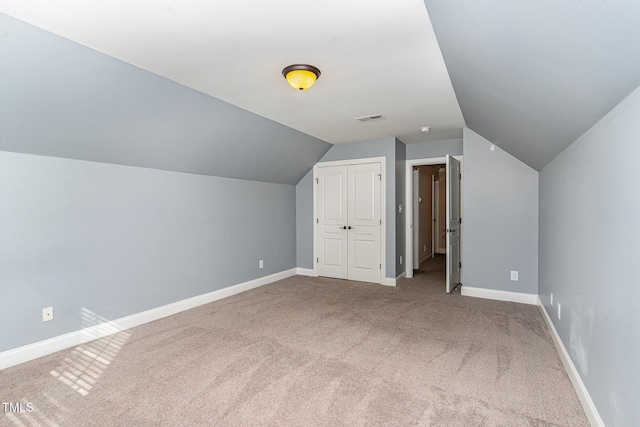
551	297
559	312
400	259
261	264
47	314
514	276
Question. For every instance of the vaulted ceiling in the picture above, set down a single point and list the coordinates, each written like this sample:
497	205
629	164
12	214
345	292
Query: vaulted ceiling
532	76
375	57
529	76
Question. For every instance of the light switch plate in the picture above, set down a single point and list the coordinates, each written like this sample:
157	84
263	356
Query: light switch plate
559	312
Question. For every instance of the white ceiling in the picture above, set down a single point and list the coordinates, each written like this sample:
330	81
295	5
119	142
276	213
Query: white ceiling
375	57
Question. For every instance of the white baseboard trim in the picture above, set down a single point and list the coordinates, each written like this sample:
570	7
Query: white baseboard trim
519	297
306	272
388	281
585	399
43	348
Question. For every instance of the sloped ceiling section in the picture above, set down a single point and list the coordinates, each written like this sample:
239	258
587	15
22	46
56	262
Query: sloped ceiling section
532	76
376	57
61	99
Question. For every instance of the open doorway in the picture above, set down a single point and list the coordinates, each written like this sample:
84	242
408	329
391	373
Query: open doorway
429	231
441	226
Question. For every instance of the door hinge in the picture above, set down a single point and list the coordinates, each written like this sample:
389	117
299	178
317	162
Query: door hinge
317	260
317	181
380	176
460	221
317	221
380	222
460	265
459	176
380	266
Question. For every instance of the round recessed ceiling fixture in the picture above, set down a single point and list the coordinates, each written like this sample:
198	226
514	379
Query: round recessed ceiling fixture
425	129
301	76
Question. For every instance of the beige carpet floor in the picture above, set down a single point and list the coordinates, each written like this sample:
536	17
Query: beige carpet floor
311	351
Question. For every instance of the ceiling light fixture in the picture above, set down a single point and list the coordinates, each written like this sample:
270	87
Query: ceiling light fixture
301	76
425	129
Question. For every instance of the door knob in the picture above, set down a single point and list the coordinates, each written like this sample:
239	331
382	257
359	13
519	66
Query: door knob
344	228
349	227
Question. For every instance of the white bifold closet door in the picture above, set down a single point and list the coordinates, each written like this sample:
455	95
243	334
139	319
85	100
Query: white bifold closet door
349	222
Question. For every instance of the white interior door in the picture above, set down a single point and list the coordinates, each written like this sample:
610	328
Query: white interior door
364	222
416	220
434	222
332	222
453	223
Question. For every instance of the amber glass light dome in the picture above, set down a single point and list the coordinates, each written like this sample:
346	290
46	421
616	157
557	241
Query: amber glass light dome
301	76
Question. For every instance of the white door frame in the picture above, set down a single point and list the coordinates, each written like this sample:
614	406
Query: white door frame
383	207
409	205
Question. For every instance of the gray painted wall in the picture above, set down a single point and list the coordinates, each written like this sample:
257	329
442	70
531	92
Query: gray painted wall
117	240
425	150
304	191
63	99
499	219
401	165
304	222
589	244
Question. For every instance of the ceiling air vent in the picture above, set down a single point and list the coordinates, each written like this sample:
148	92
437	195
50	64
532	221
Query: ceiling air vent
371	118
